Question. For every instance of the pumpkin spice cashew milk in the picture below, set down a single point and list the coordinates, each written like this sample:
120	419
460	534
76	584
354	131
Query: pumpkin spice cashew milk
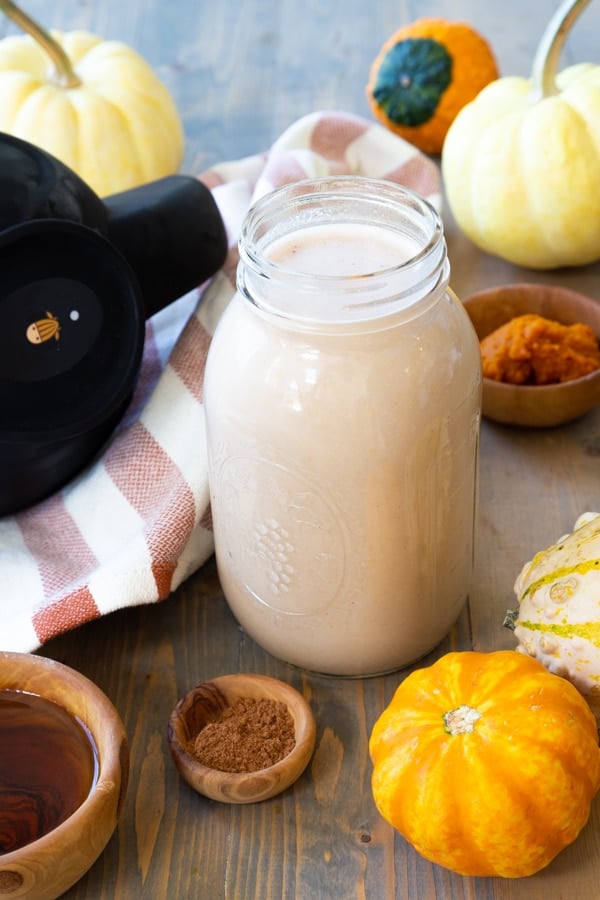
342	394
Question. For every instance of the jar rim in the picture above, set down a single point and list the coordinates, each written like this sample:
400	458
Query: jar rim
335	199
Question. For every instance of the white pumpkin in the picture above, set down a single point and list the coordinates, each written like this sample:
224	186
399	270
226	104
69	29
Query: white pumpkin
521	162
103	112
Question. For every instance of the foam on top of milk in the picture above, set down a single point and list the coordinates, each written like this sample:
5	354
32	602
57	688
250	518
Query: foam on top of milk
343	249
343	272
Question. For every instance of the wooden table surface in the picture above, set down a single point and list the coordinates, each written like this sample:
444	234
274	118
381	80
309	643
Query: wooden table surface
241	71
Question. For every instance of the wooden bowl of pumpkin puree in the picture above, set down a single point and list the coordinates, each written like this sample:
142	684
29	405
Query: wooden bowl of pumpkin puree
540	353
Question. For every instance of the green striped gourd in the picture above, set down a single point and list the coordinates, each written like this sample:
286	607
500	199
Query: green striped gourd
558	620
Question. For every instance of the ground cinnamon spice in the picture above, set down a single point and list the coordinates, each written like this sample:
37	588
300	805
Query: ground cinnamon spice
250	735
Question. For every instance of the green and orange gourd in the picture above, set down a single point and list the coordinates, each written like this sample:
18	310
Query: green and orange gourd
424	74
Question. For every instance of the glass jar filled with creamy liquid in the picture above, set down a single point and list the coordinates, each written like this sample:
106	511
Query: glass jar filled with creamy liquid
342	395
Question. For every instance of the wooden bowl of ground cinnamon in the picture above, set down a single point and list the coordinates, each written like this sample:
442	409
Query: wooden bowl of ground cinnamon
241	738
540	347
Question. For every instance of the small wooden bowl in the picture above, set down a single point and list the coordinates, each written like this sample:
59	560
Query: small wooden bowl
45	868
538	406
205	703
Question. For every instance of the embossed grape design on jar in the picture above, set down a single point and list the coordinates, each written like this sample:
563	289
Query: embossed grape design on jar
342	394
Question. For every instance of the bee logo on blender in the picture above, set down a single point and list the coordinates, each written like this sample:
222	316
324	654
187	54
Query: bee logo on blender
43	330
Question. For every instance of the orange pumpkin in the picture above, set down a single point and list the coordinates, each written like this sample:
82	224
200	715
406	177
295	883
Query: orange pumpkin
486	763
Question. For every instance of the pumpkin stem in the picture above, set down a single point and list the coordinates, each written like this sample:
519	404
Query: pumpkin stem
64	74
461	720
545	63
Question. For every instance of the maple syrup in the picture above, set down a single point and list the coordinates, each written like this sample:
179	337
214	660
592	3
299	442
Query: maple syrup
48	765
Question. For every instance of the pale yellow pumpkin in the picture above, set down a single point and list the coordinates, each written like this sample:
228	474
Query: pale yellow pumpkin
521	162
115	123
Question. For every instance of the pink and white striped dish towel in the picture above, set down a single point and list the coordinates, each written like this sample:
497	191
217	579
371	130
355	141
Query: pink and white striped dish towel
136	523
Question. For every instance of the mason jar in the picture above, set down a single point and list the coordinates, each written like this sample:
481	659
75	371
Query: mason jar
342	397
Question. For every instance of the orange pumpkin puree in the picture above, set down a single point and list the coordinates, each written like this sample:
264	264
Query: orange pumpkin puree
533	350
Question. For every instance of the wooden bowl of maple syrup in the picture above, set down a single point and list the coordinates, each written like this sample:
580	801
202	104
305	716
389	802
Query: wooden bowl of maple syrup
64	765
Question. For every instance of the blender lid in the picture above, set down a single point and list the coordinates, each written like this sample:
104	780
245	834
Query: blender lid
71	330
